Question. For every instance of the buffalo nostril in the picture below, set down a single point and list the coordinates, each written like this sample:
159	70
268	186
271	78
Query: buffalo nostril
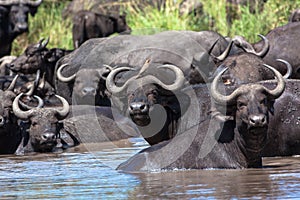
138	106
48	136
257	120
89	91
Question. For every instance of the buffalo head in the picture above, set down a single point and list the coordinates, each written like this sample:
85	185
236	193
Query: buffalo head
42	123
121	25
18	15
152	102
31	60
89	84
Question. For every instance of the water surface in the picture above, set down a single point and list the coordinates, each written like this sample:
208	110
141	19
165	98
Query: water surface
88	172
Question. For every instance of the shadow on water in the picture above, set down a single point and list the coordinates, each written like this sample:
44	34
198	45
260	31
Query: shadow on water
88	172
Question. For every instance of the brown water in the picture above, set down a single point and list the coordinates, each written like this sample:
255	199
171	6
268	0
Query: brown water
88	172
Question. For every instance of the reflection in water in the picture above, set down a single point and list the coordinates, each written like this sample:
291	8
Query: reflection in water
88	172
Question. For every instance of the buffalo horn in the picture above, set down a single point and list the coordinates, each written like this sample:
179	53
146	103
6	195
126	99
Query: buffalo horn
66	107
13	83
42	45
223	99
110	83
289	70
225	53
34	84
24	115
276	92
178	83
61	77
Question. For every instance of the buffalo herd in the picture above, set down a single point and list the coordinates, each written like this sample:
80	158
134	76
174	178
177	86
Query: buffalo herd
199	99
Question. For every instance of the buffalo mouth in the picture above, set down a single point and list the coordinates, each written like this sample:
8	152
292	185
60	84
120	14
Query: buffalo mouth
140	119
44	147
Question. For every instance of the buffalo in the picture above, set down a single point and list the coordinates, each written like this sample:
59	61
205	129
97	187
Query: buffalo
149	100
235	143
14	21
88	24
41	126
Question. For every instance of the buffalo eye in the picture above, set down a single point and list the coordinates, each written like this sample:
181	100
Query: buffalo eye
154	92
241	104
263	101
34	123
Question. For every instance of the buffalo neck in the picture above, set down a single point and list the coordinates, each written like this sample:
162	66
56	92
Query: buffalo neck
250	143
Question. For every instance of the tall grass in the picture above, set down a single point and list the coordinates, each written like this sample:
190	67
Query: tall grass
275	13
49	23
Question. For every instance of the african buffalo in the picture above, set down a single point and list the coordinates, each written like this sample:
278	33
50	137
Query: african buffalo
151	98
14	21
88	24
38	57
41	124
237	142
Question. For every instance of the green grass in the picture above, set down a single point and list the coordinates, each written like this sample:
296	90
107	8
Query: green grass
48	21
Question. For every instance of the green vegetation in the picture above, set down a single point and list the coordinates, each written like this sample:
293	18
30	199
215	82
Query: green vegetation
48	21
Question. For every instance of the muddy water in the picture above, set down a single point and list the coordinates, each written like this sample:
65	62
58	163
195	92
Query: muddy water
87	172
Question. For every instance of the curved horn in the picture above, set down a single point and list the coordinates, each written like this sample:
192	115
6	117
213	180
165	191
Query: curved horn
220	98
225	53
289	70
110	84
66	107
13	83
223	99
178	83
32	3
247	47
40	103
276	92
42	82
42	45
34	85
103	72
24	115
266	47
61	77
